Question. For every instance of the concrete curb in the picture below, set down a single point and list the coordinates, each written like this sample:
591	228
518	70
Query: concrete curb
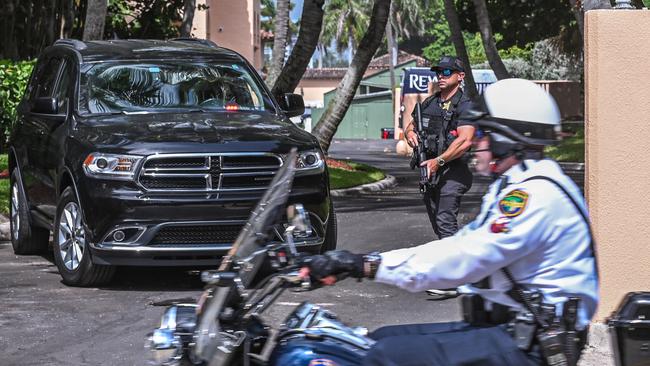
573	166
598	351
388	182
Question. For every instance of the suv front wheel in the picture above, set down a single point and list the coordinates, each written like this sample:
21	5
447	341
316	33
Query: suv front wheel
71	252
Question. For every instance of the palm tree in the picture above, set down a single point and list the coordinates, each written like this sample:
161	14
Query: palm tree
310	28
406	18
459	45
338	106
281	30
344	23
490	47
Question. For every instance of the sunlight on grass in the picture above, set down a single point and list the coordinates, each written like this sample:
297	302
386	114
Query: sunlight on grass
362	174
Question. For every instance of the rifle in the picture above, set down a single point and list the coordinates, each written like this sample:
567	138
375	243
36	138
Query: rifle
420	152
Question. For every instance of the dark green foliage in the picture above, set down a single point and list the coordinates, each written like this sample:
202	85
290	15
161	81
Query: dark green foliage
150	19
520	22
13	80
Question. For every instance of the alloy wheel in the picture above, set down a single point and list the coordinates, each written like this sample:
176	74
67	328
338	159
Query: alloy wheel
72	237
15	213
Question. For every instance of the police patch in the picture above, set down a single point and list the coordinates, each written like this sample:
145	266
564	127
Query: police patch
514	203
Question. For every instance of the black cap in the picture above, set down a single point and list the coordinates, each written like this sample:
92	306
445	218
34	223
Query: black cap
449	62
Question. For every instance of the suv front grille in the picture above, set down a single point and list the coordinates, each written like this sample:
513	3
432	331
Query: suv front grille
196	235
213	173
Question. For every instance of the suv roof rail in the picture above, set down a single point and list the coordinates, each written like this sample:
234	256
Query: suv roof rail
74	43
205	42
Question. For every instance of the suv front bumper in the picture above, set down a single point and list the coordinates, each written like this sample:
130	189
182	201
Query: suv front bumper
189	230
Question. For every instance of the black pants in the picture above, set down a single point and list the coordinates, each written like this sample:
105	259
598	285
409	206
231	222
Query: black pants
446	344
443	201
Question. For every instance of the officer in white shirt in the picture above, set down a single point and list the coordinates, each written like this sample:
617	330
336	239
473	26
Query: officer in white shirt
527	259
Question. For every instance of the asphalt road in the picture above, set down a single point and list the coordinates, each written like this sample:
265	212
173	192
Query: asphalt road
43	322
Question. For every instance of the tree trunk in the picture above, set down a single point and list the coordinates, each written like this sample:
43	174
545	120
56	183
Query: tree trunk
310	28
280	31
392	48
338	106
579	15
490	47
459	45
189	7
321	51
95	20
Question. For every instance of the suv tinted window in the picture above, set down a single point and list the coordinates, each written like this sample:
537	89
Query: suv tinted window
170	86
46	78
62	91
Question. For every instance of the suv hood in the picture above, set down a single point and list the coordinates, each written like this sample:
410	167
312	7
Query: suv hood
192	132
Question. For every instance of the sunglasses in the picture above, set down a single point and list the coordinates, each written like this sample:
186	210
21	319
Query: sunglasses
445	72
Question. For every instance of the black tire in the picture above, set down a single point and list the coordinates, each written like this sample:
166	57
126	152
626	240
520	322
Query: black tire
330	232
85	272
25	237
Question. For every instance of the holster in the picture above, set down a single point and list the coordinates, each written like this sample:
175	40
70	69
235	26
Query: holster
475	313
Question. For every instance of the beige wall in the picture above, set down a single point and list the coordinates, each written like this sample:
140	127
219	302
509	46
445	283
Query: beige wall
617	77
233	24
313	90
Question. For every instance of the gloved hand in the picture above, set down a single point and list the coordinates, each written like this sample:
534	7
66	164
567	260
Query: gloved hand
334	263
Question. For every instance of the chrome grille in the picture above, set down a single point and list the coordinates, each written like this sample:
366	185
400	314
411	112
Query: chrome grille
214	173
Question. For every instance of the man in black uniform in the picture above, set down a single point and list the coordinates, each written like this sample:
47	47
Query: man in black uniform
449	140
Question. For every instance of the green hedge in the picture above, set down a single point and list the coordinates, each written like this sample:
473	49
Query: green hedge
13	80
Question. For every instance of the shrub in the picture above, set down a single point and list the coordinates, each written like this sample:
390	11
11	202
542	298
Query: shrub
13	80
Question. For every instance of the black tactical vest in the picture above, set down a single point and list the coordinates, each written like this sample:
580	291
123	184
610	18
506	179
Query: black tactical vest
438	123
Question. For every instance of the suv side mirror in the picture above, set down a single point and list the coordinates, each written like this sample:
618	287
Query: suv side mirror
292	105
46	105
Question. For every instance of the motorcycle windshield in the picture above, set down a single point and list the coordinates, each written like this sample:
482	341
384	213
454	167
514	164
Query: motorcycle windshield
269	211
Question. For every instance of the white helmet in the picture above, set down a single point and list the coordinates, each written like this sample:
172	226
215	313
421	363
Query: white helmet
517	110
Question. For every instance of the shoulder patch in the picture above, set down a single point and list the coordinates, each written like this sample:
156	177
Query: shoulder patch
514	203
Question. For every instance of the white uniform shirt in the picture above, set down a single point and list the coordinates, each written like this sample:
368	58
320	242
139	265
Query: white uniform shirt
531	227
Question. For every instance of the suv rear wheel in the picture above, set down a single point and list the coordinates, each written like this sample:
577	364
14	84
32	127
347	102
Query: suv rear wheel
25	238
71	252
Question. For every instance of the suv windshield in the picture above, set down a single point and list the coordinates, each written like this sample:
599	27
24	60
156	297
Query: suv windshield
170	87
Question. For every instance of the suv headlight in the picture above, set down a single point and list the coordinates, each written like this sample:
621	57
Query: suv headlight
310	162
111	166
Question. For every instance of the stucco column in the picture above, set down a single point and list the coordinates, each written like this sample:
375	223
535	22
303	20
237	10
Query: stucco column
617	110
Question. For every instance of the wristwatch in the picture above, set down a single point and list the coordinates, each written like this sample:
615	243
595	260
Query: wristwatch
440	161
371	262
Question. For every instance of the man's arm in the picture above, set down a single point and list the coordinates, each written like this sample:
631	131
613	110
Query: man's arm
460	145
456	149
472	254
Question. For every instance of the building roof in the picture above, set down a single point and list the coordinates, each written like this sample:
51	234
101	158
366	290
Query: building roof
377	64
381	62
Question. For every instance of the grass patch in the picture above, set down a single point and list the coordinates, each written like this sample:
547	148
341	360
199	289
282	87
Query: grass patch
346	173
570	149
4	187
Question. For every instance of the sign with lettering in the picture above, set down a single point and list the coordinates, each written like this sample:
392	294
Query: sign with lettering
416	79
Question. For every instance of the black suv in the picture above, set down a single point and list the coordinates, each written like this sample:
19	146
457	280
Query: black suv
152	153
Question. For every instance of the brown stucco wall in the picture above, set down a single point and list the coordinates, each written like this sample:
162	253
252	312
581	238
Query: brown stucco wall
617	109
234	25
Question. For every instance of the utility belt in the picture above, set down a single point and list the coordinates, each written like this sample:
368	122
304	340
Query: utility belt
555	336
